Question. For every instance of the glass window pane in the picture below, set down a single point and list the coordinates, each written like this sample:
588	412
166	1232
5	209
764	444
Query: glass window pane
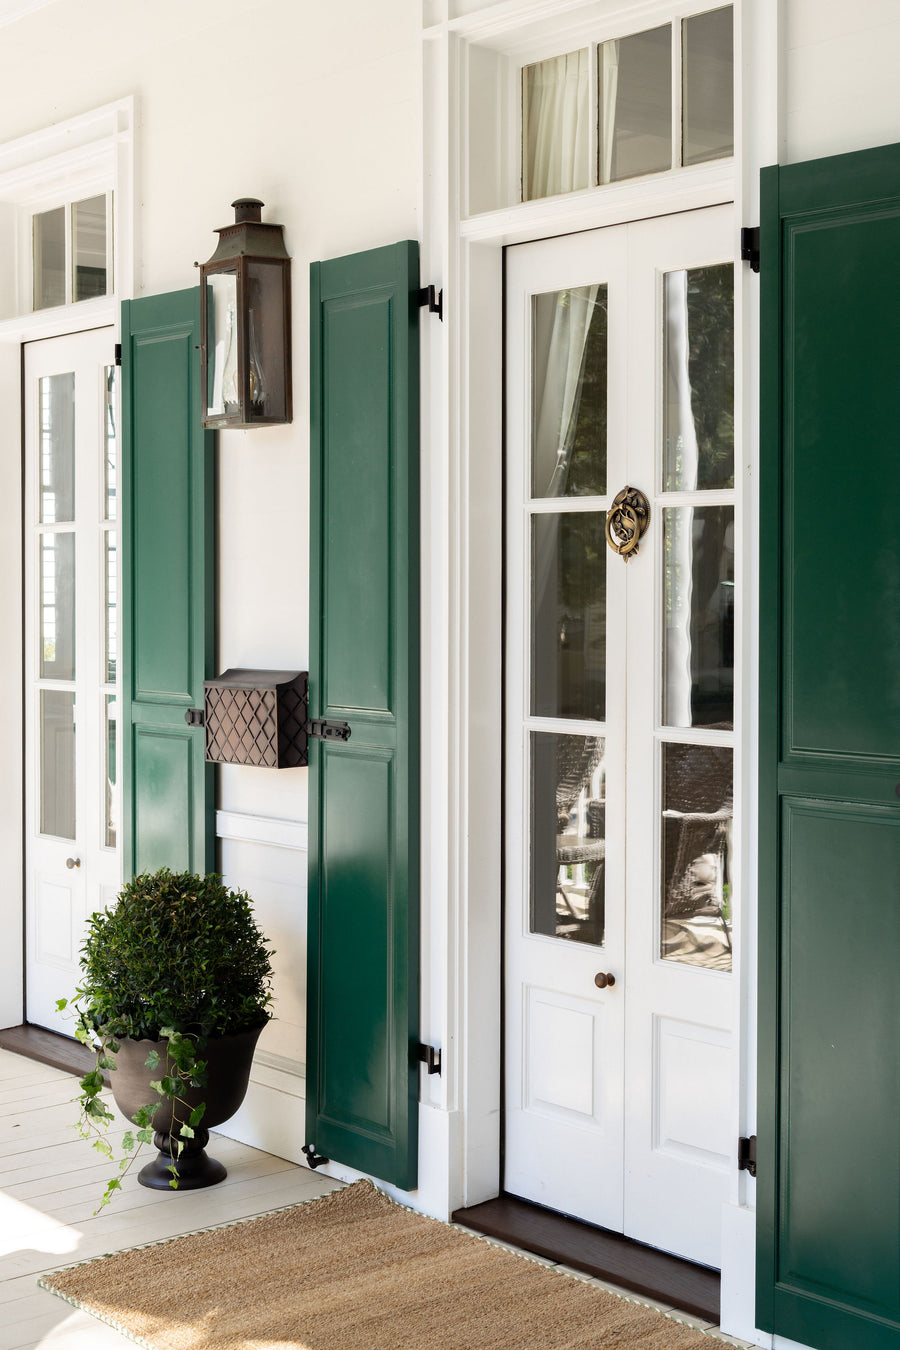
222	361
568	636
698	594
58	763
708	86
49	258
110	467
696	845
111	608
57	458
699	378
569	339
108	759
57	606
555	127
89	248
266	330
636	105
568	836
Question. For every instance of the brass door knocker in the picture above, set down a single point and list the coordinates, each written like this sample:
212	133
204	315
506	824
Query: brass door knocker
626	521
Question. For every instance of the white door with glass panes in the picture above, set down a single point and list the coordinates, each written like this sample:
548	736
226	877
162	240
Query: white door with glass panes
620	1046
71	588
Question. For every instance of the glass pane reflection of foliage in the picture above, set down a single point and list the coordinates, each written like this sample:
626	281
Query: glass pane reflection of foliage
698	589
696	847
569	373
568	640
699	407
568	844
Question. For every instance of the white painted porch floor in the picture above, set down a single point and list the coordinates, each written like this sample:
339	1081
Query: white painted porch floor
51	1182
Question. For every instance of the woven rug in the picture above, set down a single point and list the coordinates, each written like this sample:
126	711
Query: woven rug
354	1271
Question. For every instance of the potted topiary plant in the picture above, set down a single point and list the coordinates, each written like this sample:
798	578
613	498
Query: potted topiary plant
175	990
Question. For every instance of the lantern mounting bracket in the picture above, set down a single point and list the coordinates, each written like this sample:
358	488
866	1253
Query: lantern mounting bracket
434	299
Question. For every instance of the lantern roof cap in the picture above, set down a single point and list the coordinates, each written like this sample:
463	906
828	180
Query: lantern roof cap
249	236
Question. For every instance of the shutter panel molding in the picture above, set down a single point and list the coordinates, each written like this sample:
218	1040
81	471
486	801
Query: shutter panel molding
167	526
363	916
828	1153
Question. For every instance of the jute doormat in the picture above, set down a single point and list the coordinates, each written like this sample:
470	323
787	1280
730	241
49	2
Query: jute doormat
354	1271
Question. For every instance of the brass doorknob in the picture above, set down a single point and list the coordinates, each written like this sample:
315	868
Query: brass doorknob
604	981
73	862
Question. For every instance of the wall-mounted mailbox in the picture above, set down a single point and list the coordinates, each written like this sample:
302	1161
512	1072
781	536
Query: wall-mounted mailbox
257	717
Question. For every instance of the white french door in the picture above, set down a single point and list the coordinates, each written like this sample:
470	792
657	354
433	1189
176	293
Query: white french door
71	641
620	1054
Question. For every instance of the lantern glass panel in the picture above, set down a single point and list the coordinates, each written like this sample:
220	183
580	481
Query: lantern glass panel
267	339
223	381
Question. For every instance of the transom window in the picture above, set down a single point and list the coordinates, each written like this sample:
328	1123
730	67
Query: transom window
72	252
644	103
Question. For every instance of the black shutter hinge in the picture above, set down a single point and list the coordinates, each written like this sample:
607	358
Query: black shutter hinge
750	246
430	1056
434	299
195	717
313	1158
118	353
323	730
747	1155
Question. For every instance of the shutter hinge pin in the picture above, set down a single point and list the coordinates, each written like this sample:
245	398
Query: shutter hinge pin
747	1155
195	717
750	246
434	299
118	353
430	1056
323	730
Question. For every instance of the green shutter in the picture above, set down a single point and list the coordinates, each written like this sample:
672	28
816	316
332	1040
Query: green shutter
362	993
828	1262
167	586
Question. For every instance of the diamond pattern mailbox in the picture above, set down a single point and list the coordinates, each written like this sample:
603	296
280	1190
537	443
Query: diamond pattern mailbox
257	717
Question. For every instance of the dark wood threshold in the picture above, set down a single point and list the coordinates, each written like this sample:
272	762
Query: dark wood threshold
48	1047
608	1256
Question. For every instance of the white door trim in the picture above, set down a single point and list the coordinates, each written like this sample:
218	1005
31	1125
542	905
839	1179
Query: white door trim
460	562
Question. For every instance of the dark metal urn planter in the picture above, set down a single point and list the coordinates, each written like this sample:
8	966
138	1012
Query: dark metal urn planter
229	1059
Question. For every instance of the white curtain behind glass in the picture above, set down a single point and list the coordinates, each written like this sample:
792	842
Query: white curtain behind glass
681	435
556	131
557	382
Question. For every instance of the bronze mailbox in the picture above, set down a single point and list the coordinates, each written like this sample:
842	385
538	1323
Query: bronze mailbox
257	717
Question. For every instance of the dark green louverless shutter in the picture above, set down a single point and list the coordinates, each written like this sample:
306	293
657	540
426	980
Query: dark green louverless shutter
167	479
362	1075
828	1262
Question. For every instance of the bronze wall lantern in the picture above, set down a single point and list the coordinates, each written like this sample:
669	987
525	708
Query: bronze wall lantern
245	324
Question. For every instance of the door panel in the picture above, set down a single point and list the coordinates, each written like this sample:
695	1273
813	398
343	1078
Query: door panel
829	1072
564	912
71	698
621	1094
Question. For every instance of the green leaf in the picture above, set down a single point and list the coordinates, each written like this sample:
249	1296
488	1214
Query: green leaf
128	1140
197	1114
144	1114
152	1060
92	1082
145	1136
174	1183
186	1132
62	1004
157	1086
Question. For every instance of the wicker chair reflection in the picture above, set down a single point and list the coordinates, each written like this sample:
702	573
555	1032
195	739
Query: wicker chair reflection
577	759
697	845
